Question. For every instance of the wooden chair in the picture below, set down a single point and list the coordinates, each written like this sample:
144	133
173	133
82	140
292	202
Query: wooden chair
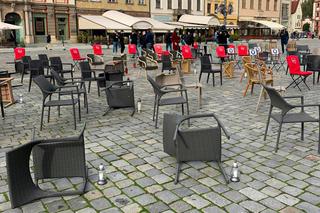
228	68
245	60
253	73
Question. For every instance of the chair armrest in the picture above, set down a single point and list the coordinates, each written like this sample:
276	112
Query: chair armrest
70	64
173	90
307	105
295	96
169	85
118	83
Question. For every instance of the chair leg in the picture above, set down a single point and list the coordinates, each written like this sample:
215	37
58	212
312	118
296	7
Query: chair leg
221	78
154	107
89	87
201	75
30	81
86	101
302	131
246	89
41	119
74	116
268	122
252	85
259	100
182	109
278	137
178	168
49	114
213	82
79	109
208	77
98	89
157	115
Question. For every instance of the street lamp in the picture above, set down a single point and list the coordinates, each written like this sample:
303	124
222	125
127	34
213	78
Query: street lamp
225	10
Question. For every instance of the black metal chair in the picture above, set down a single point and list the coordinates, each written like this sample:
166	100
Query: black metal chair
78	87
285	116
206	67
57	65
303	48
313	65
1	102
120	94
53	158
48	90
45	61
88	74
193	144
166	63
161	91
36	69
23	66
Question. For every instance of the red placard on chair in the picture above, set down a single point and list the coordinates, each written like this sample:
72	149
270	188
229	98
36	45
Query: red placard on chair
243	50
97	49
195	45
186	52
132	49
221	52
158	49
75	54
19	53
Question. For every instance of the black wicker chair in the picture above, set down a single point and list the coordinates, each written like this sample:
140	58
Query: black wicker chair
1	103
313	65
206	67
45	62
48	90
88	74
120	94
53	158
57	65
78	87
166	63
192	144
302	117
36	69
161	91
23	66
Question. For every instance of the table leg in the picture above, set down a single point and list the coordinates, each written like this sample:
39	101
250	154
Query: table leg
1	104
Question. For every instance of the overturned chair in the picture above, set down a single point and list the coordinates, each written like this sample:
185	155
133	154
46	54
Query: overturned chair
192	144
52	158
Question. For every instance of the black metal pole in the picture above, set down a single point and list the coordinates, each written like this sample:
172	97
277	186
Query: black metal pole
225	13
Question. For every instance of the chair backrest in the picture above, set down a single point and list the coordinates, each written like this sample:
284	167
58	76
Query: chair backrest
44	59
85	69
45	86
293	64
220	52
252	45
243	50
155	86
59	80
205	63
263	55
246	59
252	71
313	62
56	63
292	45
26	60
132	49
19	52
75	54
316	51
36	68
303	48
186	52
293	53
277	100
166	62
97	49
158	49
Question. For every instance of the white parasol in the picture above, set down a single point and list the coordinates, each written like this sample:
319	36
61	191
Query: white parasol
5	26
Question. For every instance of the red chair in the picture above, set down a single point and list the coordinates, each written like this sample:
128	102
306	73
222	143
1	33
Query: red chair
186	52
158	49
76	57
242	51
19	53
295	70
97	49
221	53
195	45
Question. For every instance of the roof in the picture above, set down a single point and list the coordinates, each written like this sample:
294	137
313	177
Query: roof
269	24
125	19
158	26
88	22
181	25
204	20
294	6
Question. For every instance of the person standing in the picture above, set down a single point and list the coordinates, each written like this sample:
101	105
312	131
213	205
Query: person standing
115	42
142	39
134	40
121	41
149	39
48	42
175	41
284	37
168	41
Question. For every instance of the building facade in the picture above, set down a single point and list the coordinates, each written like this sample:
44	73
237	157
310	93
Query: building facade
139	8
296	16
285	13
268	10
39	18
316	17
212	8
171	10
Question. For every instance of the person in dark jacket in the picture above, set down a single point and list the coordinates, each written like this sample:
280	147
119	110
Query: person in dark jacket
115	42
142	39
48	42
149	39
168	40
121	41
175	40
134	40
284	36
222	38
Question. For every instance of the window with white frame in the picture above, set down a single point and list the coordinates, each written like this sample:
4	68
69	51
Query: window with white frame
158	4
142	2
129	1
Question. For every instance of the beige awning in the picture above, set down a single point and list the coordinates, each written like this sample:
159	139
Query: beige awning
202	20
125	19
269	24
6	26
88	22
181	25
158	26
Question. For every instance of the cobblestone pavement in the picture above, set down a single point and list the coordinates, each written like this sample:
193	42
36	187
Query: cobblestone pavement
140	175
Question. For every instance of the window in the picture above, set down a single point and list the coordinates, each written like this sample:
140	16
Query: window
244	4
216	6
189	4
208	8
129	1
112	1
198	5
141	2
158	4
260	5
251	4
285	11
268	5
275	6
169	4
179	4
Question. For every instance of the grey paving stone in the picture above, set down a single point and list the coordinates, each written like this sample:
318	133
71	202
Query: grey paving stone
166	196
252	206
145	199
235	208
77	203
86	210
272	204
180	206
56	206
310	198
307	207
196	201
157	207
287	199
133	191
217	199
253	194
100	203
234	196
213	209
